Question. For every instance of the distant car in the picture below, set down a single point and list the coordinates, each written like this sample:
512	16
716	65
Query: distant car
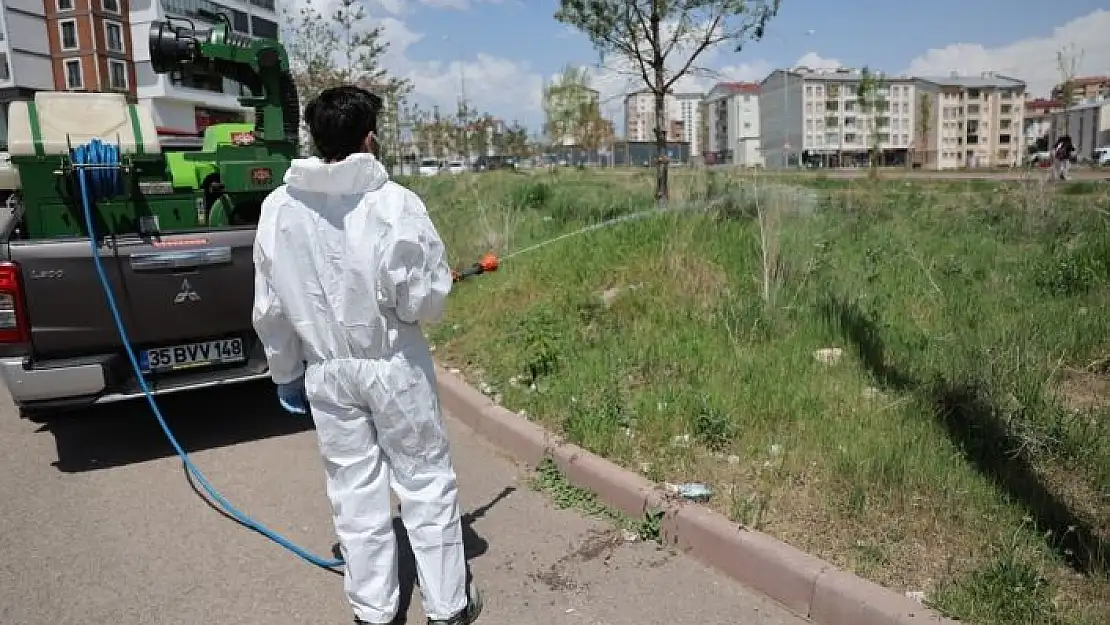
429	167
1039	159
1101	156
456	167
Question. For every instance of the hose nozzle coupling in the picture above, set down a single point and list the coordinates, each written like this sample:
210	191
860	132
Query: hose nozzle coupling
487	263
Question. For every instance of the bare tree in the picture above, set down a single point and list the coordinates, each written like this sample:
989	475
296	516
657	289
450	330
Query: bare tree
1067	62
650	34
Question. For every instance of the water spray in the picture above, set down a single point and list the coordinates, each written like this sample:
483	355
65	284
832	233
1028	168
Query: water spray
491	262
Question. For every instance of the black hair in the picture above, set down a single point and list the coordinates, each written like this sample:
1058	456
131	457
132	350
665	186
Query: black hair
339	120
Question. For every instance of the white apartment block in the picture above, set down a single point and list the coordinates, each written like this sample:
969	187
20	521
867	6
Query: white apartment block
186	104
815	116
977	121
732	125
682	113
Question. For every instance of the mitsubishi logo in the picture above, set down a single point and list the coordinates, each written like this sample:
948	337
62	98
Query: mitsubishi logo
186	293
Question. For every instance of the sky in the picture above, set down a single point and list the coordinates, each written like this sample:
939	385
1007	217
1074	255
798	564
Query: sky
504	51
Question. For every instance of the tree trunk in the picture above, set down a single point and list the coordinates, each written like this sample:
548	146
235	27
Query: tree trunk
661	190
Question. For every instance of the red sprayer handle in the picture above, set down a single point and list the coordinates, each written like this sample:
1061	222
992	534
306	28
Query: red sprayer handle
487	263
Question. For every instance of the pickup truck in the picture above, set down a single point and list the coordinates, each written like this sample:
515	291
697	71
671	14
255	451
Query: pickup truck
185	300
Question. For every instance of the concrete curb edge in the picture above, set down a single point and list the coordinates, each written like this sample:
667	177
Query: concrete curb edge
803	583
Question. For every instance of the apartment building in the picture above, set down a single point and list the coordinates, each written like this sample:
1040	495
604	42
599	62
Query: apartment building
1087	123
1037	123
1083	88
187	102
809	116
682	112
90	45
977	121
731	123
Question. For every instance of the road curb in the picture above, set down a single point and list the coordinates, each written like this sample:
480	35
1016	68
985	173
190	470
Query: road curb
803	583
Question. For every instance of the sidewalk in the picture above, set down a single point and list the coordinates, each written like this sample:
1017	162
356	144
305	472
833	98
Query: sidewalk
112	533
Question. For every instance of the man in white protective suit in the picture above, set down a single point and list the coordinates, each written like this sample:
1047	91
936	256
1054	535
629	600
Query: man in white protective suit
347	265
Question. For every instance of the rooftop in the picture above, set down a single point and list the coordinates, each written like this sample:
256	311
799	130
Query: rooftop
1083	81
1089	104
727	89
839	73
986	80
1041	103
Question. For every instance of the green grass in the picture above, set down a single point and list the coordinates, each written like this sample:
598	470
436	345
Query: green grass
959	446
548	479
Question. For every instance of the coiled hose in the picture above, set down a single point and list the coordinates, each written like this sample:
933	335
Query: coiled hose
100	177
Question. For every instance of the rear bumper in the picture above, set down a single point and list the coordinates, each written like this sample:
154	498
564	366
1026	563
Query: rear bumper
76	383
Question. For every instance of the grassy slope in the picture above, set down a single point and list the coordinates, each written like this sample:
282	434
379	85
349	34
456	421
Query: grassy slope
961	444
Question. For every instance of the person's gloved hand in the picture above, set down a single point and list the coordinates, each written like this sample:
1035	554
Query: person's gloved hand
292	396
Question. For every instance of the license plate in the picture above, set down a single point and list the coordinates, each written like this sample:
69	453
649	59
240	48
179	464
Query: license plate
191	355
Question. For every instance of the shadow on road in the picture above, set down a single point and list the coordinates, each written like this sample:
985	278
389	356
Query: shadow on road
473	544
114	435
973	423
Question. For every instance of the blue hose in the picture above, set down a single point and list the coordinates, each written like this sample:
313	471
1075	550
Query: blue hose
104	180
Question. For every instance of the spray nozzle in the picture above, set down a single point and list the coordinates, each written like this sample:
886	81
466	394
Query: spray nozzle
486	263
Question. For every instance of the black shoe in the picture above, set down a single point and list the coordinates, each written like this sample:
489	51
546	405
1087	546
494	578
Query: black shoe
467	615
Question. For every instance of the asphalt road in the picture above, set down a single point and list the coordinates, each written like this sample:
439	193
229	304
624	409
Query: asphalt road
98	524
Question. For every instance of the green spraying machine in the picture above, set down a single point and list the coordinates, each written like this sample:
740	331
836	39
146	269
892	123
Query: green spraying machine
152	191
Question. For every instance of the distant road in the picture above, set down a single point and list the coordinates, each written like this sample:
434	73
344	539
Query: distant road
890	173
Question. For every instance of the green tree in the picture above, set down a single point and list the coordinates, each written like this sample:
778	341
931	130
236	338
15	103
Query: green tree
343	49
516	141
562	104
651	34
591	129
924	125
869	92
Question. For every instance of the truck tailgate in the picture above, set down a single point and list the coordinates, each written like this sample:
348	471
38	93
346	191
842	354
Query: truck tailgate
68	313
191	297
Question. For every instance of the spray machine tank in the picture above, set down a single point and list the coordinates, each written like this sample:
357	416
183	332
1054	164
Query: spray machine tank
137	187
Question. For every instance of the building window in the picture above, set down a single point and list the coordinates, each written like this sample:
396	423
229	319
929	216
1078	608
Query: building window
117	74
68	31
110	6
113	35
74	77
264	4
65	5
5	71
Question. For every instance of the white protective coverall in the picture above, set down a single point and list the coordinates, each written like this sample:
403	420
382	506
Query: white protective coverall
347	263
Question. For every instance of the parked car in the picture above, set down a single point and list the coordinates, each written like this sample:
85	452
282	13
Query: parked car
430	167
456	167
